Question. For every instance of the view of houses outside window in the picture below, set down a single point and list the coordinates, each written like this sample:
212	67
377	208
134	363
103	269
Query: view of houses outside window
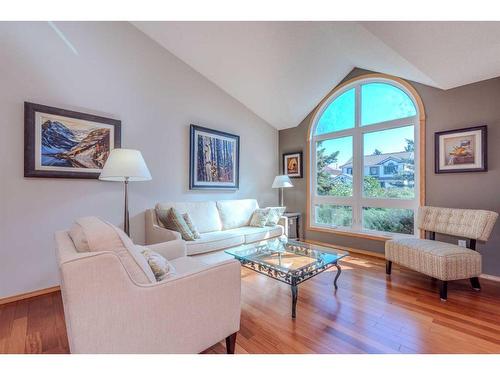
388	161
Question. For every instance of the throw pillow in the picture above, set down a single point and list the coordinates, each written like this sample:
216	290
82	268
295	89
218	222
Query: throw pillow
79	238
191	226
173	220
274	215
259	217
160	266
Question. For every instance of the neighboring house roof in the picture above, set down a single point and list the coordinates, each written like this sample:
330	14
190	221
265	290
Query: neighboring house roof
372	160
332	170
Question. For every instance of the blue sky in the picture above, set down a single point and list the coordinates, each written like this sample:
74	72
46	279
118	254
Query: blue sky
379	102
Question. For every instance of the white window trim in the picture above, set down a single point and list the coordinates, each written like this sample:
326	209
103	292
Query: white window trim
357	201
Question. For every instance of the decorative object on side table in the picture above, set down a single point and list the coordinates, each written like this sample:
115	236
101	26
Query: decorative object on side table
282	181
125	165
214	158
292	164
461	150
68	144
293	223
291	262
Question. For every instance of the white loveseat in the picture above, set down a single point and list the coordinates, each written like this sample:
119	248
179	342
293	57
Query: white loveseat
222	224
113	304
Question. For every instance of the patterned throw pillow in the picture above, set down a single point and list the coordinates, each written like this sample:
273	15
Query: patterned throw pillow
274	215
173	220
259	217
159	265
191	226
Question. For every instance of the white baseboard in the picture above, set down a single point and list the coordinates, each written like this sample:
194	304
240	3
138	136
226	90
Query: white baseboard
490	277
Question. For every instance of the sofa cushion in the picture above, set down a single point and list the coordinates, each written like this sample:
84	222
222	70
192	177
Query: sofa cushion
236	213
187	265
203	214
214	241
441	260
213	257
254	234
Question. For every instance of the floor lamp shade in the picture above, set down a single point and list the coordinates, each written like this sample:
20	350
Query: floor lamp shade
125	165
282	181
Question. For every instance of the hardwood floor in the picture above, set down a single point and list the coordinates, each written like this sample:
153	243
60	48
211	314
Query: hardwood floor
368	314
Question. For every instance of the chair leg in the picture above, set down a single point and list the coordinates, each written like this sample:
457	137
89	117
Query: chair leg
231	343
443	290
474	281
388	267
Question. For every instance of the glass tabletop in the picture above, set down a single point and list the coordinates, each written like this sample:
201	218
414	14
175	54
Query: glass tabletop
289	256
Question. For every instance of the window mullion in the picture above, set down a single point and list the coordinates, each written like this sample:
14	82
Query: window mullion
357	163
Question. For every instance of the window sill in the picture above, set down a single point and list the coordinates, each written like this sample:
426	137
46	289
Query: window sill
353	233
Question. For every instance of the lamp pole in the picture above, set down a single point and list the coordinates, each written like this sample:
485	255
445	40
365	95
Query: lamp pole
126	223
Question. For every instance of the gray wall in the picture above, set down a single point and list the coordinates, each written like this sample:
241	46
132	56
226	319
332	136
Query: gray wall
120	73
469	105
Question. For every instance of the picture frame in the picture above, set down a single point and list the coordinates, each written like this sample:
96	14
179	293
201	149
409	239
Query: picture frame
214	159
60	143
292	164
461	150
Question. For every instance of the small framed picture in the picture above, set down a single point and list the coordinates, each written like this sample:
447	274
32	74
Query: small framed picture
461	150
214	159
292	164
59	143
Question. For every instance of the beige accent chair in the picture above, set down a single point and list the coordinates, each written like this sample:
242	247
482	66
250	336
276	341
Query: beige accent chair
113	303
222	224
442	260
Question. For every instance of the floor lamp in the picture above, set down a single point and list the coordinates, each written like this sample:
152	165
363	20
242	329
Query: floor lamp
281	182
125	165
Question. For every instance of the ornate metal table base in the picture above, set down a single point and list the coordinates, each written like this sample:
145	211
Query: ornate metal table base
295	289
270	259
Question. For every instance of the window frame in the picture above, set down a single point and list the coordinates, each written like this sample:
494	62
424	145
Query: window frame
358	201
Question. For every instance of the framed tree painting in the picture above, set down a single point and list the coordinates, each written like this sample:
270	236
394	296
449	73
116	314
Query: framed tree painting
66	144
292	164
461	150
214	159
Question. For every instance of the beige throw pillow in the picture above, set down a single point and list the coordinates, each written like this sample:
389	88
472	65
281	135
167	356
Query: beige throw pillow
79	238
160	266
173	220
259	217
274	215
191	226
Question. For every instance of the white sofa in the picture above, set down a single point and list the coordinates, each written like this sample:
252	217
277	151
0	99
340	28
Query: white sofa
222	224
113	303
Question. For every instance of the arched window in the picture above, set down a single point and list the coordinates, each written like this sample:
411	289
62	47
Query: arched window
364	145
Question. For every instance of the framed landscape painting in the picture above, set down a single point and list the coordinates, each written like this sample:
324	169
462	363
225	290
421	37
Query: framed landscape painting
66	144
292	164
214	159
461	150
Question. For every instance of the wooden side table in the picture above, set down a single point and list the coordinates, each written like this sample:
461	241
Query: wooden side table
293	220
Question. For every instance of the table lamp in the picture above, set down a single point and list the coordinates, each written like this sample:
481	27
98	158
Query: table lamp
282	181
125	165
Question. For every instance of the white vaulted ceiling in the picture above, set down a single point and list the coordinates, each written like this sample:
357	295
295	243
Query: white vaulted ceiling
281	70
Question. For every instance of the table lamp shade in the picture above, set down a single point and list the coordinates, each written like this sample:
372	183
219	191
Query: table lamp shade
125	164
282	181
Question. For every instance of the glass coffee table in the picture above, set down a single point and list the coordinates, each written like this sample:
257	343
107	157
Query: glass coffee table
291	262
